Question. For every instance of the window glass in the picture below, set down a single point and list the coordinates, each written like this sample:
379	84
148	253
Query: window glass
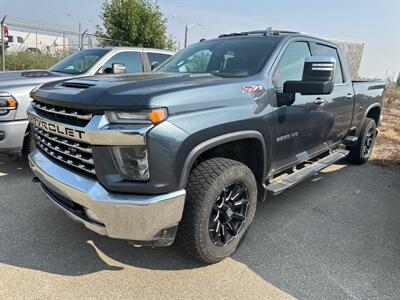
157	57
225	57
291	65
20	40
322	50
131	60
79	62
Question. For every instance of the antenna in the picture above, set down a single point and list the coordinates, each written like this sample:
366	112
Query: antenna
269	29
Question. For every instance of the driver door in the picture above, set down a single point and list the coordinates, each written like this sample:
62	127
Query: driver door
295	128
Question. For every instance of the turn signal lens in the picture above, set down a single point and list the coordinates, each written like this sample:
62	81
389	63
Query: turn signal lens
154	116
158	115
7	103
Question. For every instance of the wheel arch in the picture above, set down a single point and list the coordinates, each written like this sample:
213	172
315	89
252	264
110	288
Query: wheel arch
374	112
221	140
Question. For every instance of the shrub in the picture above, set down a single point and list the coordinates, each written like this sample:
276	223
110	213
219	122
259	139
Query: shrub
27	60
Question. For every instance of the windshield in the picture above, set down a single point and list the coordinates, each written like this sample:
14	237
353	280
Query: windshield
225	57
79	62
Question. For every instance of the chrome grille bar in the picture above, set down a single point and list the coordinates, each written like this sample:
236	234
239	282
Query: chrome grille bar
75	154
64	141
62	111
66	161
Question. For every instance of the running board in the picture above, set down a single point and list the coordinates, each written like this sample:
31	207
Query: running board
281	185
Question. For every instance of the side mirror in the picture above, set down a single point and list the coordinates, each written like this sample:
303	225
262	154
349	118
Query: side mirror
118	68
318	77
154	65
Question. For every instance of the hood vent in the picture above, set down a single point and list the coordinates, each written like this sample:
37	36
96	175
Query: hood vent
36	74
77	85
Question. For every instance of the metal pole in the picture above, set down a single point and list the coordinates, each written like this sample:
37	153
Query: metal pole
186	34
63	43
3	48
79	32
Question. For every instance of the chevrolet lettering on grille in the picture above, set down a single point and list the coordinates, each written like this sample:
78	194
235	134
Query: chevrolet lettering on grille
57	128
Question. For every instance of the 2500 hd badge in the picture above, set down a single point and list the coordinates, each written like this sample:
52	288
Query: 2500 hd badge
56	128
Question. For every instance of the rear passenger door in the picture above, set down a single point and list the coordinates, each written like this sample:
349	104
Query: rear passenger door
338	104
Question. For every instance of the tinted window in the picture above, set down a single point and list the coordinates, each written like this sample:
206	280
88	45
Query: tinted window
322	50
79	62
157	57
131	60
226	57
291	64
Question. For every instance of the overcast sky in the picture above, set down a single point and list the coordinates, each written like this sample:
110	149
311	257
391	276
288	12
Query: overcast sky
377	23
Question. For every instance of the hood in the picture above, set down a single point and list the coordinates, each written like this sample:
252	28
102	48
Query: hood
122	91
32	77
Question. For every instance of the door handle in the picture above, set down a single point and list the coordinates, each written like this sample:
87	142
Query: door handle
349	96
319	101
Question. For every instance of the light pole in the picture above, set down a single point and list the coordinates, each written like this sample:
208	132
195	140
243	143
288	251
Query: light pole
187	27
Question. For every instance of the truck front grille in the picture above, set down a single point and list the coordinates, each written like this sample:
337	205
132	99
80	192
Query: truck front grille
70	152
63	114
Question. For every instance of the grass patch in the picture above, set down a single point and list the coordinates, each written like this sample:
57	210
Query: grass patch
28	60
387	146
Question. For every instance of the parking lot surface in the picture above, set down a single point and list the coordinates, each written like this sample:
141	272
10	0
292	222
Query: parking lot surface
335	236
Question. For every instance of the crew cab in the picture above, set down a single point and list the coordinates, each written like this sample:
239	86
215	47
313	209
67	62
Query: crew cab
15	86
187	150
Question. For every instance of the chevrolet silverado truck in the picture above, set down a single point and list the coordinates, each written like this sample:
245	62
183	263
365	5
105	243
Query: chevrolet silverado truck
15	86
187	150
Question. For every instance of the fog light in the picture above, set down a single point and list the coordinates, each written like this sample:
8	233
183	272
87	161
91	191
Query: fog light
2	135
131	162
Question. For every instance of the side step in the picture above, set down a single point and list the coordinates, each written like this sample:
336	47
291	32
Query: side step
281	185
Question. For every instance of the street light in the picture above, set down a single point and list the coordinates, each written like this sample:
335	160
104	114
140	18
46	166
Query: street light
187	27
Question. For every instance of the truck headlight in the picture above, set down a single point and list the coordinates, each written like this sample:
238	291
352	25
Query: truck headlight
131	162
154	116
7	103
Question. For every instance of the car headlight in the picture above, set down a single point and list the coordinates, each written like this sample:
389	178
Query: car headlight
7	103
154	116
131	161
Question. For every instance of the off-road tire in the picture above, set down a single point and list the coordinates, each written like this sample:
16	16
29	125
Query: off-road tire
356	155
206	182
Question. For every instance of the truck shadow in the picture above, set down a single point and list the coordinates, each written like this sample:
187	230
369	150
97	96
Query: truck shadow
324	228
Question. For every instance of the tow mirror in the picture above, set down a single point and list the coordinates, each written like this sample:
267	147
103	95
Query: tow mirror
154	65
118	68
318	77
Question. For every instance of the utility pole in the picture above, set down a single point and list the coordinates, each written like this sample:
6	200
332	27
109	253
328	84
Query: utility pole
3	48
79	32
186	34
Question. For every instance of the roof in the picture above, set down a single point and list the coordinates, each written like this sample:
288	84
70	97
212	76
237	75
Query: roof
137	49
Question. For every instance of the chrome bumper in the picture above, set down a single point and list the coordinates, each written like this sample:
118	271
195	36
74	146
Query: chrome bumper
146	218
14	134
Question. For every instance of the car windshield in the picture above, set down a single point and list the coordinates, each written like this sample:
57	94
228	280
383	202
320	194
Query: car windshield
79	62
225	57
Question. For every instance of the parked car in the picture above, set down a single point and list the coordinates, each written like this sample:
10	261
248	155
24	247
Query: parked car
15	86
188	150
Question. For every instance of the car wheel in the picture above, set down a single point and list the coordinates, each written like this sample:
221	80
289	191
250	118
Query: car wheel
220	206
360	153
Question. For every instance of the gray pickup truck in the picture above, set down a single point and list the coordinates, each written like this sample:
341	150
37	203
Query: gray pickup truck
187	150
16	86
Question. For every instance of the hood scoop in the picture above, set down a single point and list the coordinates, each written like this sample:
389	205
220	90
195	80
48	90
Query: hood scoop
77	85
36	74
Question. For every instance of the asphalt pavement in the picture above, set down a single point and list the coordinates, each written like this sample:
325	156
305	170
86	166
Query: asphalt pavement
335	236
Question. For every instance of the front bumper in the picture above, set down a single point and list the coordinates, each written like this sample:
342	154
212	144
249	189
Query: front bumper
14	134
150	219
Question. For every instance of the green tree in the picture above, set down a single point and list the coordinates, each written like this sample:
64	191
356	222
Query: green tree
398	81
138	23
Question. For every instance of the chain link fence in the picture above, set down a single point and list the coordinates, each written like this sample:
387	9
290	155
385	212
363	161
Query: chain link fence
31	46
